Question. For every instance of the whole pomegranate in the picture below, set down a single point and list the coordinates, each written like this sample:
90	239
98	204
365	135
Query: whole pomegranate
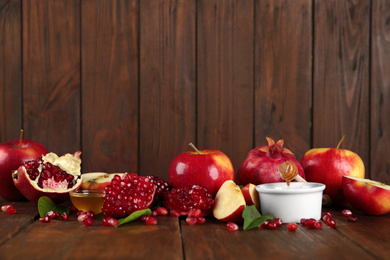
262	163
50	176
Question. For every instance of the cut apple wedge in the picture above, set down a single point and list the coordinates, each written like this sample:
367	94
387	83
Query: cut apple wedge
97	180
367	196
229	203
251	195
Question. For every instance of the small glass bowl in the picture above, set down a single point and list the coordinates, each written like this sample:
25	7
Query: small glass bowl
87	200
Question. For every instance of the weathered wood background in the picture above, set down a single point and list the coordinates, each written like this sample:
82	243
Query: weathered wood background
131	83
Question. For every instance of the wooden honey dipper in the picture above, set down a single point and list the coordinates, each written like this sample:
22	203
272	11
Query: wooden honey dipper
288	171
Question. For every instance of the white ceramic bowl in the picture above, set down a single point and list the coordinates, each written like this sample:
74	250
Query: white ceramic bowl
291	204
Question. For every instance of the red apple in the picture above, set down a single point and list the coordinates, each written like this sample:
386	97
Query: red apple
97	180
229	203
367	196
209	168
262	164
12	155
251	195
328	166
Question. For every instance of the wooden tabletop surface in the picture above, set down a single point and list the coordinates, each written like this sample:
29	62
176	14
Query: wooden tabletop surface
23	236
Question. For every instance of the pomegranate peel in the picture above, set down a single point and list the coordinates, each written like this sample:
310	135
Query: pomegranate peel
49	175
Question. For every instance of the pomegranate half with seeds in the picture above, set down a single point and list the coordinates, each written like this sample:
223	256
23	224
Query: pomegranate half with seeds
49	175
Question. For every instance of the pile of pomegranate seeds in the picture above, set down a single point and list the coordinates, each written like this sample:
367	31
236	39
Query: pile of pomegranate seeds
328	219
9	209
161	188
311	223
180	201
272	224
125	195
347	213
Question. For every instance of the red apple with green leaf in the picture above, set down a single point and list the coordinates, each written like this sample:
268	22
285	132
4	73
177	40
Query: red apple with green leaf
12	155
367	196
209	168
328	166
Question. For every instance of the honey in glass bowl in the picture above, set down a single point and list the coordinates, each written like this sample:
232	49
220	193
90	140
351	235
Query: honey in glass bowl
87	200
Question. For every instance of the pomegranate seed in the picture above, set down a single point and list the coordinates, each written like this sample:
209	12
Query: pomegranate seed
278	221
11	210
318	225
88	222
155	213
191	221
162	211
195	213
5	207
90	214
150	220
303	221
142	218
292	226
352	218
174	213
80	212
65	216
53	214
231	226
346	213
82	217
201	220
327	216
264	225
109	221
44	219
310	223
72	209
332	223
272	225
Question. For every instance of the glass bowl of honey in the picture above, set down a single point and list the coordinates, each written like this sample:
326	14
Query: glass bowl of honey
87	200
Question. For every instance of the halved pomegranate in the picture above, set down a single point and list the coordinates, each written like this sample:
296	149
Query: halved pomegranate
50	176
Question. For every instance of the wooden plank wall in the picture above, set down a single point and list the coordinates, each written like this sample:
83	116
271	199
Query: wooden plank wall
130	83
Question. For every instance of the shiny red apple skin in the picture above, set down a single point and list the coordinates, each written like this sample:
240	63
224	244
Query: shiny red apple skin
251	195
328	166
261	167
11	157
210	168
367	196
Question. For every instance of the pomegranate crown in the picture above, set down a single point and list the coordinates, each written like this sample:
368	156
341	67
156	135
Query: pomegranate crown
275	148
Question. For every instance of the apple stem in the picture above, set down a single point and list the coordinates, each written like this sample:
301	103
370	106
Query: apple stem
21	138
342	139
193	146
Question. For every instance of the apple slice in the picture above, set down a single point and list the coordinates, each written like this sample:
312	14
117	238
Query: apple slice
251	195
97	180
229	203
367	196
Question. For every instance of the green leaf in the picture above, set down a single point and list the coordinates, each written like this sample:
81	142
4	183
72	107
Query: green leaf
134	216
45	204
253	218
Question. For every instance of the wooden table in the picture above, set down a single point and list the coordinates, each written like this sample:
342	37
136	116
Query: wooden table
22	236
